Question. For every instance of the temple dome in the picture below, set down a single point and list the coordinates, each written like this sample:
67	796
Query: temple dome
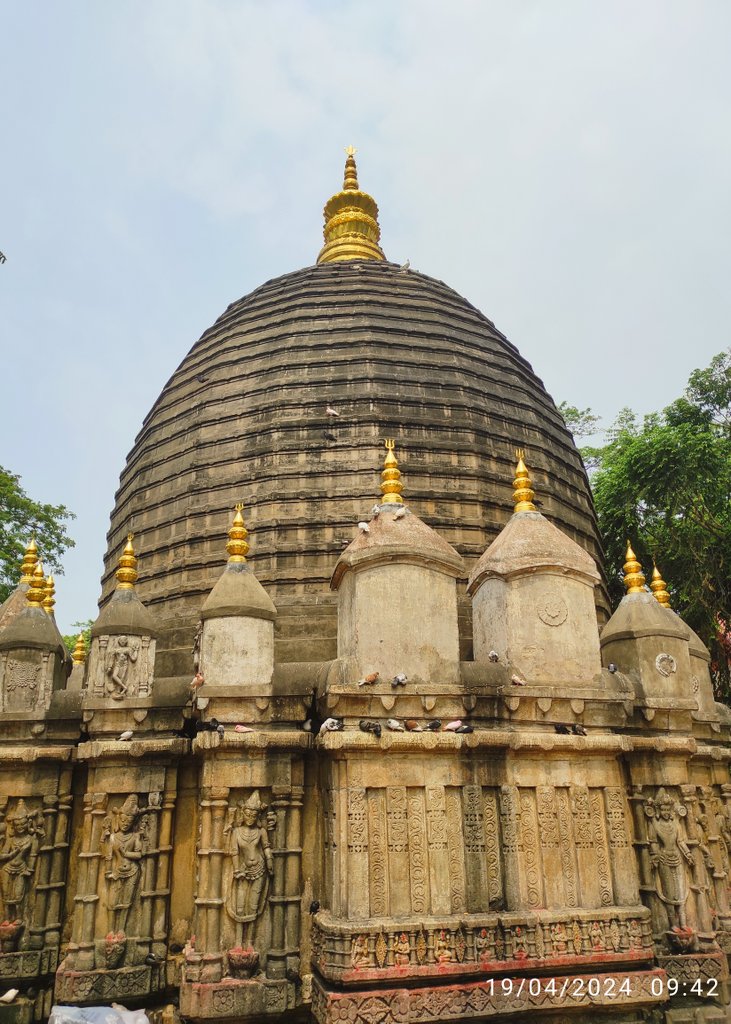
245	418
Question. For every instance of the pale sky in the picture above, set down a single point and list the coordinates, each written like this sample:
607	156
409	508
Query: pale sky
563	165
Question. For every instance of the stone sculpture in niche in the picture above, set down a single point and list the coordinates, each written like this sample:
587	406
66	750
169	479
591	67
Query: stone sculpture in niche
253	864
668	850
121	846
18	858
359	956
121	655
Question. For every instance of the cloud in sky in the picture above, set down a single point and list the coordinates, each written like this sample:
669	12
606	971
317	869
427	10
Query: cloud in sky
564	166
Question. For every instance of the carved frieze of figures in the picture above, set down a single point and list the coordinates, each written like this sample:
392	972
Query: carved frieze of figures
252	865
670	856
122	848
121	666
21	832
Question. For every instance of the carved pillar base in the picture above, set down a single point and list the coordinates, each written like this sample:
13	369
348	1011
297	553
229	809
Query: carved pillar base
503	998
103	986
257	999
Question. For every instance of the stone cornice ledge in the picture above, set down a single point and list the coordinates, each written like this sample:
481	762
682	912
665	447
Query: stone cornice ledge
29	754
135	748
501	738
287	739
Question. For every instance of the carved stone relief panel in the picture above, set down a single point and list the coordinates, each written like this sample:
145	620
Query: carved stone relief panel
26	680
22	832
121	667
247	874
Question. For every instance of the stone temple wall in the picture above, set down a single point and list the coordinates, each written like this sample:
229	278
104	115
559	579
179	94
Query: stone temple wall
526	836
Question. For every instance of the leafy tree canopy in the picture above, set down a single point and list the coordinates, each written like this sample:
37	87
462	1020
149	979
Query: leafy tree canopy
21	520
665	483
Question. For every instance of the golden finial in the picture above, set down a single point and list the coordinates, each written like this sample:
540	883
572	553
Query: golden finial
29	562
659	587
49	599
634	578
78	655
37	589
237	547
351	221
127	572
522	490
391	487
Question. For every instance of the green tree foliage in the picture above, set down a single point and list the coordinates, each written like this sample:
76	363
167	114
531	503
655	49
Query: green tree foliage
22	519
665	484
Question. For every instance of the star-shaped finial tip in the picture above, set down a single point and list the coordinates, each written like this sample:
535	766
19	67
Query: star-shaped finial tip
350	150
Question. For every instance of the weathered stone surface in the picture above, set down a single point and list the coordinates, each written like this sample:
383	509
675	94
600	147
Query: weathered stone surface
243	418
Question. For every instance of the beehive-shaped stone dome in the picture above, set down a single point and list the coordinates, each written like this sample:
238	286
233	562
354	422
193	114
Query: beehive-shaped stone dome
245	418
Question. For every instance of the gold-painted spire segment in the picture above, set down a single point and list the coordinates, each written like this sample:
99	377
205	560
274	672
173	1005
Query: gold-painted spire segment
351	227
127	572
391	487
237	546
37	589
522	489
49	599
29	562
634	578
78	655
659	587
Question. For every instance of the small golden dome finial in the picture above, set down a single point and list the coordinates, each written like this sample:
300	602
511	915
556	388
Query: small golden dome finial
391	487
127	572
351	221
634	578
29	562
237	547
78	655
49	599
522	490
659	587
37	589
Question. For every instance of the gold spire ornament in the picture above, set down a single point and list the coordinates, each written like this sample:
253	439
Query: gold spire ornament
78	655
237	546
391	486
351	221
127	572
37	589
29	562
522	489
49	599
659	587
634	578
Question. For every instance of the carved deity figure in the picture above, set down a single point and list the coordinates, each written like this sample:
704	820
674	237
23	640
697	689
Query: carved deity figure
18	857
402	949
122	847
253	864
559	937
120	656
596	934
668	850
359	951
442	950
482	945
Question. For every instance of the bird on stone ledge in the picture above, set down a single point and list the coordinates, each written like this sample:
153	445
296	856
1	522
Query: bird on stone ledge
578	729
394	725
562	730
332	725
196	682
374	727
126	735
369	679
364	527
399	680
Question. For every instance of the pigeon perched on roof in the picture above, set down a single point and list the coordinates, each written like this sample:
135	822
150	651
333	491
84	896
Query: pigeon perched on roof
412	725
126	735
494	656
394	725
578	729
364	527
399	680
465	727
374	727
400	513
453	726
517	681
434	725
243	728
332	412
563	730
372	677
